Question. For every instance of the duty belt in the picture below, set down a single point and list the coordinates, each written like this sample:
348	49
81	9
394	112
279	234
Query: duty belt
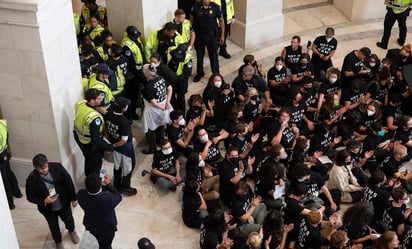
400	6
4	149
81	133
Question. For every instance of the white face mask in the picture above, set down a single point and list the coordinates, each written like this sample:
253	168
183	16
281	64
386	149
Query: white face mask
370	113
372	64
333	79
279	67
218	84
201	163
283	155
167	151
155	64
406	201
204	138
182	122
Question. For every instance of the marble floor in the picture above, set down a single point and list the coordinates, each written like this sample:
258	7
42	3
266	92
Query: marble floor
157	214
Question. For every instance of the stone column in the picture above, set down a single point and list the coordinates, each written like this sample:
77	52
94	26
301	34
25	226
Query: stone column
147	16
360	10
8	238
257	21
40	81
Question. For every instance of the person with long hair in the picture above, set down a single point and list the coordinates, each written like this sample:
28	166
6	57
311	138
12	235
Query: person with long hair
357	220
193	204
274	231
332	111
388	240
214	231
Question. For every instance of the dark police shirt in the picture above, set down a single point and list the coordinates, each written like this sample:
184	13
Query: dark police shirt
205	18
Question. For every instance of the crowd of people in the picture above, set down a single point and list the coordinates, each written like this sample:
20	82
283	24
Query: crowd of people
279	151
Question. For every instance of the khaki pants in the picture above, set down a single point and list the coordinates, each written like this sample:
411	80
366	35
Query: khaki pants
211	188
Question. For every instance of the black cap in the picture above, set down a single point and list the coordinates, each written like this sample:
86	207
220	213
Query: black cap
366	52
88	1
180	52
145	243
121	102
103	68
132	32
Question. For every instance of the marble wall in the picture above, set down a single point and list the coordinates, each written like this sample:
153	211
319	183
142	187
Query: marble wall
8	238
147	16
257	21
357	10
40	81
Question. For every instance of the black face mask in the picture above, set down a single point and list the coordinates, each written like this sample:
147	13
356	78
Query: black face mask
196	108
234	160
254	97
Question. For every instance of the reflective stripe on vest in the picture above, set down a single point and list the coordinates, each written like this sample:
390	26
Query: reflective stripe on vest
398	6
102	54
84	116
179	70
95	32
186	27
121	81
230	10
3	135
76	18
101	86
137	54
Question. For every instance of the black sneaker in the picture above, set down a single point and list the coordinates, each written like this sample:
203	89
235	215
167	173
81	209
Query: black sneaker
198	77
128	191
225	54
379	44
399	42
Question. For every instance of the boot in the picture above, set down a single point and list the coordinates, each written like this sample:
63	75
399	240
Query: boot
151	141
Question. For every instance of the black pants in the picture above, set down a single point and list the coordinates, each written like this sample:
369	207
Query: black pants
52	219
227	32
208	41
104	239
93	156
178	97
320	65
390	19
10	183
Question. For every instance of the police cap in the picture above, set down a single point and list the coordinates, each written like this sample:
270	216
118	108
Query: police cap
180	52
132	32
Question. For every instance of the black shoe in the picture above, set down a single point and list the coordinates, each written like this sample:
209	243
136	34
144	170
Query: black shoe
12	206
173	188
18	195
399	42
379	44
135	116
198	77
148	151
128	191
225	54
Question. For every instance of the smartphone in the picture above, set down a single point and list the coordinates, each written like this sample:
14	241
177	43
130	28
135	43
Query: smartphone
52	192
102	173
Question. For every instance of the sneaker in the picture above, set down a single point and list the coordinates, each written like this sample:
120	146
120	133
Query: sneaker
399	42
18	195
198	77
379	44
128	191
12	206
59	245
73	236
225	54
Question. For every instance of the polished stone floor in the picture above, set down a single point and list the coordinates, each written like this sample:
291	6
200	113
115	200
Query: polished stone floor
157	214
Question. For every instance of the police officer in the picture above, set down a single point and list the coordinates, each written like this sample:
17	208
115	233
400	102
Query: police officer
10	183
100	81
184	28
181	63
228	12
134	51
88	131
204	17
94	30
397	10
160	40
103	50
90	8
119	64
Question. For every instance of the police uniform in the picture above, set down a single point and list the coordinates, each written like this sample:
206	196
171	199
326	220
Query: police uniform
134	52
88	133
205	24
397	10
181	63
10	183
100	12
228	13
94	33
184	29
159	42
120	68
101	86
